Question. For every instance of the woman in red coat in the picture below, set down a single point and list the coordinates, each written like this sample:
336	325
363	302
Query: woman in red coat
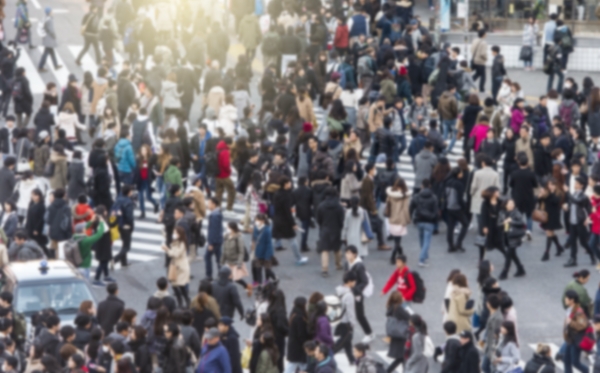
341	39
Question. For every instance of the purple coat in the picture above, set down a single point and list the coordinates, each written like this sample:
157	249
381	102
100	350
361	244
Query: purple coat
516	120
323	331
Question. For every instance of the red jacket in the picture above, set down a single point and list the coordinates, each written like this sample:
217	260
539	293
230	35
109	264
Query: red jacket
595	215
404	281
341	37
224	160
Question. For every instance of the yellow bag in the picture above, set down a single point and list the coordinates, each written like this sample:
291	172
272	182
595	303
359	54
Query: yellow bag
114	231
246	357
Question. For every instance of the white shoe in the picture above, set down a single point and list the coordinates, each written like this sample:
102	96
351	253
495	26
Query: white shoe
423	264
368	338
302	261
528	234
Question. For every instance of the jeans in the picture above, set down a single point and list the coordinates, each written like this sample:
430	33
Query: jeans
126	177
305	224
449	128
401	140
85	272
294	367
216	251
102	267
528	63
425	233
47	52
125	246
160	186
572	359
480	74
593	244
145	189
87	42
496	84
486	364
561	78
293	243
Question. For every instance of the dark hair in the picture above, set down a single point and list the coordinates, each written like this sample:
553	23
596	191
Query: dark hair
418	323
354	205
584	273
485	272
511	335
496	49
494	301
352	249
450	327
112	288
572	294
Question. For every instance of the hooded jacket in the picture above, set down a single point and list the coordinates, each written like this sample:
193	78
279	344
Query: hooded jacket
448	106
226	293
58	180
347	302
425	161
124	156
424	207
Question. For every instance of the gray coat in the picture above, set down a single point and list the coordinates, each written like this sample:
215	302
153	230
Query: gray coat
425	161
352	231
482	179
7	184
417	362
49	40
76	177
509	356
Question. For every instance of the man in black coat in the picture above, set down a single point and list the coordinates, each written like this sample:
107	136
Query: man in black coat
303	199
22	98
59	220
469	356
231	341
125	93
7	179
110	309
451	363
226	294
523	183
249	168
542	159
330	216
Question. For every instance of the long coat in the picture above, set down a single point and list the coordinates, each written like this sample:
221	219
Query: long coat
523	182
283	219
352	231
457	310
552	204
76	177
396	347
249	30
330	217
298	334
482	179
417	362
179	263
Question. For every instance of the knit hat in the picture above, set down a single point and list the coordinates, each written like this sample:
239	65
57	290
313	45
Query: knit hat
307	127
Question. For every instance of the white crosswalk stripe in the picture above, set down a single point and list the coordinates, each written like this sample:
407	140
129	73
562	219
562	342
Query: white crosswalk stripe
61	75
36	83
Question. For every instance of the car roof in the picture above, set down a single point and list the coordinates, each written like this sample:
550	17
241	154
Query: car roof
30	271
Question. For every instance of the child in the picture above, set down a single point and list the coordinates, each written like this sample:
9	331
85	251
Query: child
82	211
498	70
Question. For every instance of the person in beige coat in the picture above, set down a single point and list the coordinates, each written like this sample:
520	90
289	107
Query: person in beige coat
58	180
233	256
483	178
461	306
305	107
179	266
479	52
397	214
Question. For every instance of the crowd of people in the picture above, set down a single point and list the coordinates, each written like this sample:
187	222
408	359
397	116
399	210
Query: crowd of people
75	171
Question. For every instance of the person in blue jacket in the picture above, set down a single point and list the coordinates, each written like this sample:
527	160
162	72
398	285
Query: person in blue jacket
215	235
125	158
214	357
263	249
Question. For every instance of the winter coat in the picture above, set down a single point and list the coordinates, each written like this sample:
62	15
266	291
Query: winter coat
124	156
417	362
540	364
350	186
49	39
594	121
76	177
214	359
85	244
353	231
249	31
523	183
224	160
103	247
33	223
482	179
399	207
232	253
306	111
397	345
24	189
425	161
170	95
69	122
59	220
509	356
469	358
346	297
303	198
283	219
424	207
59	178
23	103
479	133
323	332
297	336
458	310
552	204
215	228
101	194
479	51
29	250
330	217
7	184
402	281
264	243
179	263
109	313
226	294
231	342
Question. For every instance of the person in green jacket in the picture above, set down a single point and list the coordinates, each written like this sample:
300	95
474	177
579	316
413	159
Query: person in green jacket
578	285
387	88
172	176
86	242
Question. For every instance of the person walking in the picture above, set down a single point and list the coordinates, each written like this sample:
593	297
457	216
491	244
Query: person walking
424	208
551	199
523	183
22	98
226	294
330	217
233	256
178	272
90	29
398	215
298	335
49	41
263	249
345	327
455	207
417	361
357	228
490	227
507	352
284	224
575	325
361	289
223	178
461	307
578	210
479	58
214	236
513	222
395	309
123	211
23	24
530	31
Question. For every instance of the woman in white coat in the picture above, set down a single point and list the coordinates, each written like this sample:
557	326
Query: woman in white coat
68	121
170	94
357	228
24	188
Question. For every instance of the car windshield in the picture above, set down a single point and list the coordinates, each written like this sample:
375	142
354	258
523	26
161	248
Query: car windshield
64	297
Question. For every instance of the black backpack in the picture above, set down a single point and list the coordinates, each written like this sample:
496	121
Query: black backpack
212	164
420	289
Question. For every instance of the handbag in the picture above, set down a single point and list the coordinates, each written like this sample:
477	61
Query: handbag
539	216
396	328
22	164
172	273
588	340
480	240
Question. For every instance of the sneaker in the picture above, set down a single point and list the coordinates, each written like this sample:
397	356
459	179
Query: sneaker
302	261
98	283
423	264
279	248
109	279
528	234
368	339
